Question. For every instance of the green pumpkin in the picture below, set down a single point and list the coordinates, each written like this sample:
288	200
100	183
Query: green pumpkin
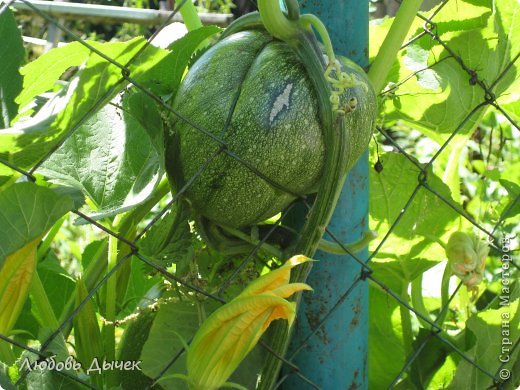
252	91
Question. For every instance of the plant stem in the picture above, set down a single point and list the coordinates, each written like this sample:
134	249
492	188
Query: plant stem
98	264
110	302
418	301
406	322
111	288
245	237
46	316
45	313
44	246
324	245
388	52
308	21
353	247
464	303
445	294
189	15
91	276
451	174
275	21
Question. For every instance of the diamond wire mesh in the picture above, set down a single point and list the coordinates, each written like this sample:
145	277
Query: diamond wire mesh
366	274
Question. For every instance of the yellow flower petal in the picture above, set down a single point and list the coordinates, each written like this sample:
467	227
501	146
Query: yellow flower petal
229	334
286	312
15	279
274	279
290	289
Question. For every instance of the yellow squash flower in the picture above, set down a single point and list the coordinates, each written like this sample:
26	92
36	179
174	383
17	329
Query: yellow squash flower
231	331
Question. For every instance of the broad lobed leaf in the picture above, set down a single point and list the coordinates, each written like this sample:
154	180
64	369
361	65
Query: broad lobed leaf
97	81
491	330
111	157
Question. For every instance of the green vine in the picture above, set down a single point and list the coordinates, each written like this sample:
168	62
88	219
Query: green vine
189	15
110	302
380	67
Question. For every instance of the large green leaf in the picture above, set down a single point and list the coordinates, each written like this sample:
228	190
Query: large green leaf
493	330
12	54
391	189
42	74
387	354
484	35
112	158
26	212
96	82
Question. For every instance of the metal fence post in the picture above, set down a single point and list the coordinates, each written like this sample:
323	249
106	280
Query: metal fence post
336	356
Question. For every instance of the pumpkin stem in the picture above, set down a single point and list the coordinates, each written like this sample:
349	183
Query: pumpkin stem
275	21
293	9
291	26
309	20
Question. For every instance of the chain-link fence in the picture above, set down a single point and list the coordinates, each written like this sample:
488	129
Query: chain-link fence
386	136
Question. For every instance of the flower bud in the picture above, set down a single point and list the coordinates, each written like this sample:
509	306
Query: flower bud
467	256
15	281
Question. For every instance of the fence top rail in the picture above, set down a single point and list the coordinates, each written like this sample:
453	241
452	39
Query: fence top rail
112	13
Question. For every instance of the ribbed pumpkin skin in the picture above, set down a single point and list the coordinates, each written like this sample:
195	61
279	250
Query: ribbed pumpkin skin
283	141
252	92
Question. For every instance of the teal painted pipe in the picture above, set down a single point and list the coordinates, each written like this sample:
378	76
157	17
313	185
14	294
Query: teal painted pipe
336	356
